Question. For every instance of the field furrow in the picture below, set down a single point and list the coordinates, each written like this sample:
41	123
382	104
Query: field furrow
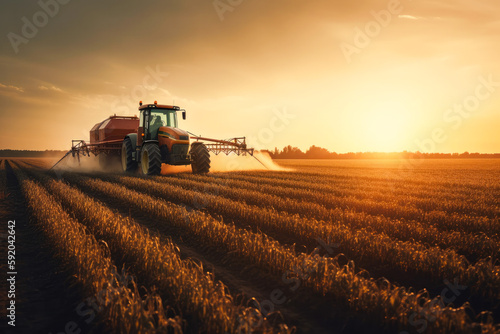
367	249
483	204
390	209
322	275
473	246
158	263
398	186
121	306
473	174
339	246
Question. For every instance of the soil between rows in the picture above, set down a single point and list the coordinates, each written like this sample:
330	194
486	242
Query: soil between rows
310	314
46	297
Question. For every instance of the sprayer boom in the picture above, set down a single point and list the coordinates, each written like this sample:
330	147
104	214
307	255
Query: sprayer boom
236	145
77	147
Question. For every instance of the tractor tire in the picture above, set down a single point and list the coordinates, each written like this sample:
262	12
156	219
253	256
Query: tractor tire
151	159
200	158
129	165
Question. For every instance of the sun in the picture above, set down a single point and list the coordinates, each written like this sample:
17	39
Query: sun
386	126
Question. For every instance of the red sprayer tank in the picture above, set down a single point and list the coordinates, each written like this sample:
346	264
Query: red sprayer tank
113	128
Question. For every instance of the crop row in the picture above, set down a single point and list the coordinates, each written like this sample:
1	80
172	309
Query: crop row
447	198
473	246
441	219
346	183
115	294
392	306
157	262
392	182
364	246
478	174
469	202
38	163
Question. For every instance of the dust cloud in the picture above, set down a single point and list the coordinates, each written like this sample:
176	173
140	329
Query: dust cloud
169	169
232	162
219	163
89	164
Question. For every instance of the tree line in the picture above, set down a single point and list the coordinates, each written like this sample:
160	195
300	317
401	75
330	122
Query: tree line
31	153
315	152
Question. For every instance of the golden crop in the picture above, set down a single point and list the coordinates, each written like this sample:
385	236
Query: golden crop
418	228
123	308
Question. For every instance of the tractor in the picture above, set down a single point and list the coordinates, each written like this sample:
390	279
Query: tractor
146	142
159	140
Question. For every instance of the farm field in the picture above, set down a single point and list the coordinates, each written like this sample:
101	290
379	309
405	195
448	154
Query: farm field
320	246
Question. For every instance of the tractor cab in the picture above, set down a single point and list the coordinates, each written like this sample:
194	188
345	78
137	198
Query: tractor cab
153	117
158	125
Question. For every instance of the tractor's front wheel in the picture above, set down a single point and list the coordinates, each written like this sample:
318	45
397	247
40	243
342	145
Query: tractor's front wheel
200	158
151	160
128	163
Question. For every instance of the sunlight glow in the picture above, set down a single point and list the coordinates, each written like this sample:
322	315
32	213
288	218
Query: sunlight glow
384	126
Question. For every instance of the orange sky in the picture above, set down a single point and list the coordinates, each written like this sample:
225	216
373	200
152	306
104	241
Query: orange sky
349	76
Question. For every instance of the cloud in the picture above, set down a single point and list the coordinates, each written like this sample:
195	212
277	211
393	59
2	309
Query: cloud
415	18
50	87
409	17
11	88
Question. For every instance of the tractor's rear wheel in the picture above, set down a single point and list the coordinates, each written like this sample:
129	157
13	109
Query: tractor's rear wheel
151	160
128	163
200	158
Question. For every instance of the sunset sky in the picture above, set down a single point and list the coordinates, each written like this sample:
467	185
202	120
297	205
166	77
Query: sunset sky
359	75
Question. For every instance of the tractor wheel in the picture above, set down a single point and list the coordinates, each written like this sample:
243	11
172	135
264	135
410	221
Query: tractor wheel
128	163
151	160
200	158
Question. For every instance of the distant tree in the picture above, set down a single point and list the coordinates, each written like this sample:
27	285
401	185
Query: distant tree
315	152
276	152
290	152
464	155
